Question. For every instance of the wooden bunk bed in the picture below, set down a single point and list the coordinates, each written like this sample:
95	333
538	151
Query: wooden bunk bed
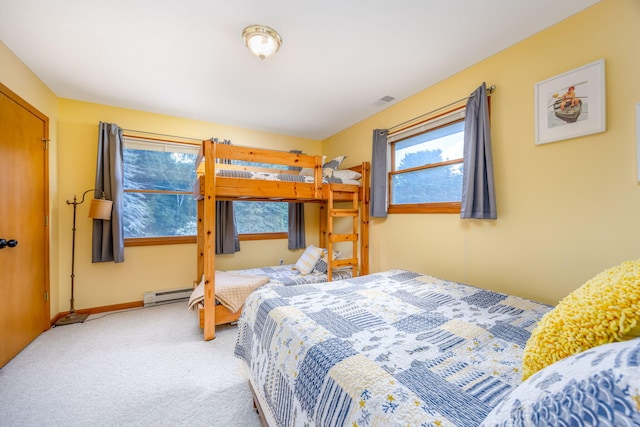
211	185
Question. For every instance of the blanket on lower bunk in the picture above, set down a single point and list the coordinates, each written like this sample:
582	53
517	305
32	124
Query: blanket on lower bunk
231	290
392	348
233	286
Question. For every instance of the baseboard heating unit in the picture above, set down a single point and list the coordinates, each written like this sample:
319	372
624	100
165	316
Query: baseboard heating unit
167	296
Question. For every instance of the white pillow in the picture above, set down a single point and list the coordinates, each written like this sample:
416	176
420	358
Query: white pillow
308	259
346	174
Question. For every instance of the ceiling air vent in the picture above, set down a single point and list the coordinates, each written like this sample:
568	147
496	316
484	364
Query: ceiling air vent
384	100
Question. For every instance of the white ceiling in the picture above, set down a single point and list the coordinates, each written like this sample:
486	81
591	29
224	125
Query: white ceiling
186	58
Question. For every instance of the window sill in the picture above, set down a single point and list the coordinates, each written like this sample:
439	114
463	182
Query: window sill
263	236
178	240
431	208
153	241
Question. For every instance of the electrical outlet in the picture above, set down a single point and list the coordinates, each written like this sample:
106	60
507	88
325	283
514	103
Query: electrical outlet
281	261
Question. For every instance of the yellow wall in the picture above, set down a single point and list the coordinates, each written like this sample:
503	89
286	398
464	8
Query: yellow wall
17	77
145	268
566	210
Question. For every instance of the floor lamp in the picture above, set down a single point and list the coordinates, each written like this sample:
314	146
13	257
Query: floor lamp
99	209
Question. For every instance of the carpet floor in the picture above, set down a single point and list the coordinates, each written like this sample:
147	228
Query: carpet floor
143	367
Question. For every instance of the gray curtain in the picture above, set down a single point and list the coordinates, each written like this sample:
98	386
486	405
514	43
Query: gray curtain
296	226
478	194
227	240
297	238
108	236
379	164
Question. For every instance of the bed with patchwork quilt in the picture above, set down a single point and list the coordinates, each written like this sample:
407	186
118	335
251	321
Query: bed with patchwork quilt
395	348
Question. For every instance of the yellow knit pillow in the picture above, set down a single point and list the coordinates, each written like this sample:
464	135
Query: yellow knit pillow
604	309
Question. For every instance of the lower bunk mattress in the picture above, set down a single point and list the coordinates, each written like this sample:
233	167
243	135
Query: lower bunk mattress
392	348
232	291
288	275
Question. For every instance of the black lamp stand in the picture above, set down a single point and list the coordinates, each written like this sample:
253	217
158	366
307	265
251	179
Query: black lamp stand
74	317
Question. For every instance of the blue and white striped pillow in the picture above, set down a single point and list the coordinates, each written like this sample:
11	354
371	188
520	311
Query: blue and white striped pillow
332	165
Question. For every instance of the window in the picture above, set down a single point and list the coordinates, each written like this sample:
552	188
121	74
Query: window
261	220
426	166
269	219
158	201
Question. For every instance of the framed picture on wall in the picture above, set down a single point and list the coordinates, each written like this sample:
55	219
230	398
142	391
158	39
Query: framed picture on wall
571	104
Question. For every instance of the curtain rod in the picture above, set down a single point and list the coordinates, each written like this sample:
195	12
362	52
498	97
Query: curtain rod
489	90
160	134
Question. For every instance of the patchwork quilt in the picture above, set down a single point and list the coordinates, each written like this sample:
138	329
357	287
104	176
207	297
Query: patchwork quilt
287	275
395	348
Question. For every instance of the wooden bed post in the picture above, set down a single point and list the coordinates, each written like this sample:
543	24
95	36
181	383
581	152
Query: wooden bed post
323	224
200	240
317	178
209	240
364	219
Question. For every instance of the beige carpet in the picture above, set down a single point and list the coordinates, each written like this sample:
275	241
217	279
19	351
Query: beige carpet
144	367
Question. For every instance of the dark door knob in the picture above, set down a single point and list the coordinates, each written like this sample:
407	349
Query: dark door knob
11	243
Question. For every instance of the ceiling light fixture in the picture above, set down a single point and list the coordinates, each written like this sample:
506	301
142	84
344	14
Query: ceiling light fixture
261	40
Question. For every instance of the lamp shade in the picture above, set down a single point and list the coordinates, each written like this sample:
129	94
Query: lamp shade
100	209
261	40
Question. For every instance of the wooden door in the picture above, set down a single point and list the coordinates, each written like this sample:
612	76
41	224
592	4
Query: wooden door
24	252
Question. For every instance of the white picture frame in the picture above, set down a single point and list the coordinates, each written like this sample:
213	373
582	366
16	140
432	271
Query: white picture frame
571	104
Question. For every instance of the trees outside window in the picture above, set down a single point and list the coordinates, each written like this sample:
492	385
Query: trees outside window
158	198
159	207
261	219
426	168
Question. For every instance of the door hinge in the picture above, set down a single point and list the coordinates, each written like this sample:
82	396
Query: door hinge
46	220
46	296
46	143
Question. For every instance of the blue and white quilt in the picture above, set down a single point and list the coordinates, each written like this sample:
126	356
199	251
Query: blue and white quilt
288	275
389	349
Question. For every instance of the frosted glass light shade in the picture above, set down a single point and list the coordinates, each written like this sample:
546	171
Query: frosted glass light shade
261	40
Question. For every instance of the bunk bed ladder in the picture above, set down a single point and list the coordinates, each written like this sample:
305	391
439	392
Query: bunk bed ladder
333	214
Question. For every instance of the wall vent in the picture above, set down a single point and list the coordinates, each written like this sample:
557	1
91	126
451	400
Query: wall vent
166	296
383	101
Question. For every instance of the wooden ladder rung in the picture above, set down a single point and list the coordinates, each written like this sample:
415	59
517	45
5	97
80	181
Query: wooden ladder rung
343	212
353	262
343	188
343	238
